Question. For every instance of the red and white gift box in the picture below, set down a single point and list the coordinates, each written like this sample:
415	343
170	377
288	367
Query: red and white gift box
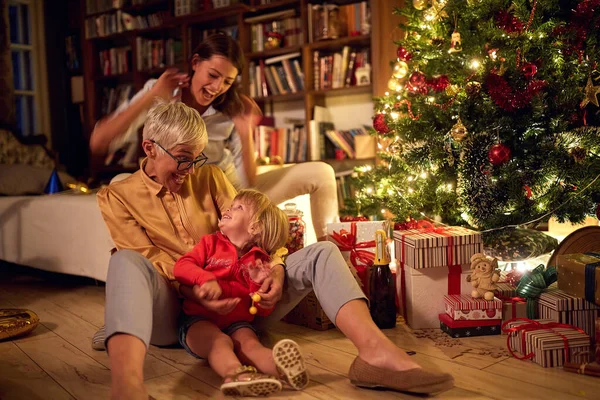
356	241
547	343
424	275
421	292
437	246
465	307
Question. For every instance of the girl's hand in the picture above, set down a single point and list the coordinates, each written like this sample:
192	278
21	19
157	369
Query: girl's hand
259	271
170	80
221	307
208	291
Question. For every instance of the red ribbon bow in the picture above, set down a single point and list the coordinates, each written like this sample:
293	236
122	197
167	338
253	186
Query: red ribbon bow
531	326
347	242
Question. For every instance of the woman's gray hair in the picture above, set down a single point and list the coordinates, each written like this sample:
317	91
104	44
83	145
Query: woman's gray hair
172	124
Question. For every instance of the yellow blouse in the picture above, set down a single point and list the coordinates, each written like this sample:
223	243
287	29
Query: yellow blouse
144	216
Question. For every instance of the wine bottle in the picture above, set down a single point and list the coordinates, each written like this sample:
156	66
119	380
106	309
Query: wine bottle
382	292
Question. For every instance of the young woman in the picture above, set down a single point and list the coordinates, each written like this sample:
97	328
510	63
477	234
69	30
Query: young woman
211	88
161	211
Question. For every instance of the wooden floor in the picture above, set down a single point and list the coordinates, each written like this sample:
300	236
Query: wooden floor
57	362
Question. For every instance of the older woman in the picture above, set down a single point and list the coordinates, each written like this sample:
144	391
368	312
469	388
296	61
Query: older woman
159	213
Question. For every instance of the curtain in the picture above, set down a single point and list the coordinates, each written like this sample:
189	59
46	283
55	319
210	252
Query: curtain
7	98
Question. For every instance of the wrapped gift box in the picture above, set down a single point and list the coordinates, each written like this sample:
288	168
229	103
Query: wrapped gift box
467	328
356	241
436	247
579	275
421	292
547	343
505	290
464	307
513	307
558	306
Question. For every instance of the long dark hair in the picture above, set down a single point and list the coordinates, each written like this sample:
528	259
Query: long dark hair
220	44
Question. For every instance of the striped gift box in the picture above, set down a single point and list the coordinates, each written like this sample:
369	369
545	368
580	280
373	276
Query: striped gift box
505	290
548	344
564	308
465	307
436	247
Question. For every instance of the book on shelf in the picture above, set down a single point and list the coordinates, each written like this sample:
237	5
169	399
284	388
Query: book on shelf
114	96
287	144
284	22
158	53
338	69
276	75
116	60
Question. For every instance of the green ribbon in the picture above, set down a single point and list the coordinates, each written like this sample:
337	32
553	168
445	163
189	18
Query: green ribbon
533	283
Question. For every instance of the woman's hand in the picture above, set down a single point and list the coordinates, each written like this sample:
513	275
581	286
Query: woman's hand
166	84
272	288
210	290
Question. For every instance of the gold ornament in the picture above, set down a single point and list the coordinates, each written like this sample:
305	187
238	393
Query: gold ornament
590	92
458	131
394	84
419	4
17	322
435	12
395	148
452	90
400	70
473	88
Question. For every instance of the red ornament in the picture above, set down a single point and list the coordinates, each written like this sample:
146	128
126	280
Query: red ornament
499	154
417	79
411	223
439	83
403	54
528	192
508	22
529	70
380	125
506	97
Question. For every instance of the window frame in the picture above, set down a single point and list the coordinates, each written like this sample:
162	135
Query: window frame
37	48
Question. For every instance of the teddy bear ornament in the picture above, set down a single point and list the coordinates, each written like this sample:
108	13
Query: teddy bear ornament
484	277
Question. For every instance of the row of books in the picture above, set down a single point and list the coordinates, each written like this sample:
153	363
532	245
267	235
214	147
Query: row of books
288	144
276	75
285	23
185	7
112	97
337	144
116	60
338	69
345	190
351	20
158	53
119	21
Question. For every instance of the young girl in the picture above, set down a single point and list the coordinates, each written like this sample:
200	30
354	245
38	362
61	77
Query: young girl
234	264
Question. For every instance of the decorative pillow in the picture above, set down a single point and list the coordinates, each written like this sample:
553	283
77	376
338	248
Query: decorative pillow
22	179
13	152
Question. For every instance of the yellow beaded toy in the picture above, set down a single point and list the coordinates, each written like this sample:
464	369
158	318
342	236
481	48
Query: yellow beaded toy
255	299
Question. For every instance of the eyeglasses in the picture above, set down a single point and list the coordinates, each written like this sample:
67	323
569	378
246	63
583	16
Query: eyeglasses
183	165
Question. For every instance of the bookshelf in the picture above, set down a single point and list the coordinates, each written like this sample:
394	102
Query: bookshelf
118	55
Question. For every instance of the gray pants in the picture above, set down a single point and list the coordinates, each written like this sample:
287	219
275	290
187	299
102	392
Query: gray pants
140	302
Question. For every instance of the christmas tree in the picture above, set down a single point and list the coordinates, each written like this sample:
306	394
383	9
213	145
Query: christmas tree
491	118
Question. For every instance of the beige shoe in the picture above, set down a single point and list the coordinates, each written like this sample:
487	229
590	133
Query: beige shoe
246	381
415	380
290	363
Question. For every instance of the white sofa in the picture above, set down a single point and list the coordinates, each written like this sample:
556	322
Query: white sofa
60	233
66	233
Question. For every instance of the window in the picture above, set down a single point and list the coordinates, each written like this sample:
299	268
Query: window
29	66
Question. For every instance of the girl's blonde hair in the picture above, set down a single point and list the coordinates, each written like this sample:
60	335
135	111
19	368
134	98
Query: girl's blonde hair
272	222
174	123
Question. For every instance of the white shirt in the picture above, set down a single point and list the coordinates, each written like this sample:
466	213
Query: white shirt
224	147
